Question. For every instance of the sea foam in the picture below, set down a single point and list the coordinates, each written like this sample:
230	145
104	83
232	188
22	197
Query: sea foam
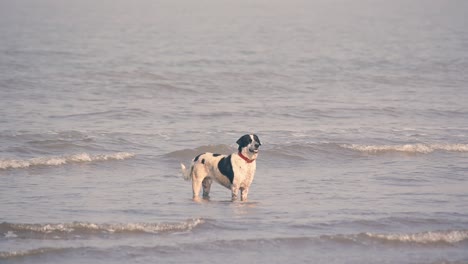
63	230
408	148
430	237
61	160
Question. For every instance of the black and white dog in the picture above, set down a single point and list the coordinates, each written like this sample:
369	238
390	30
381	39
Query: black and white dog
235	172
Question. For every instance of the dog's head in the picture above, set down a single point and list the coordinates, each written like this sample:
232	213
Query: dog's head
249	141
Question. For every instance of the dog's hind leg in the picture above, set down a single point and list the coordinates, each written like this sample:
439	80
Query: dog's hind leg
206	187
196	187
198	175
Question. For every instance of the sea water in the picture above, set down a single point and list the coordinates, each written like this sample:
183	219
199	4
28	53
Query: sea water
361	108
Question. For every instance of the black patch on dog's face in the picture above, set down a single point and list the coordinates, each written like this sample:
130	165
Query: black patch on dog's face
198	156
203	161
216	155
225	167
244	141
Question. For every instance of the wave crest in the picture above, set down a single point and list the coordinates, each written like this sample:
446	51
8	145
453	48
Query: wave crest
191	153
61	160
407	148
78	229
27	253
430	237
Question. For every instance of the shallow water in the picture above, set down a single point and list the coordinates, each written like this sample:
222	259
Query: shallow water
360	107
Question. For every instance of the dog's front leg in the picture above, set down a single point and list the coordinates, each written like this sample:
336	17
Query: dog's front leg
234	190
244	193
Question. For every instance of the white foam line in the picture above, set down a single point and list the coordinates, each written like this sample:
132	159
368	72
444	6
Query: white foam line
25	253
104	227
60	160
408	148
451	237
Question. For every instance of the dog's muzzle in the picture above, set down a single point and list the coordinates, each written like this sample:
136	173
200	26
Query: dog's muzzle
255	149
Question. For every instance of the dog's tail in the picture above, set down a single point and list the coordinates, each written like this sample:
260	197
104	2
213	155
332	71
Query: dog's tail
185	172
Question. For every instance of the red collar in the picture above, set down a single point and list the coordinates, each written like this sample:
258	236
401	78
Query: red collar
245	158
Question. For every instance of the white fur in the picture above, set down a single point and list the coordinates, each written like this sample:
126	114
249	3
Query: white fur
204	170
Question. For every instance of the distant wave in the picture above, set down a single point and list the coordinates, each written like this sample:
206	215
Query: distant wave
303	151
81	229
430	237
61	160
408	148
191	153
27	253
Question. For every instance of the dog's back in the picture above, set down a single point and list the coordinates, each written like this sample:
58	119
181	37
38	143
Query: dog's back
205	164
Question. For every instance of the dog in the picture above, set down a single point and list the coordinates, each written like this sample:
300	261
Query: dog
235	171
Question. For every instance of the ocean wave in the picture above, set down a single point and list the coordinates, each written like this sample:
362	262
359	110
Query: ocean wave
61	160
303	151
407	148
80	229
191	153
28	253
292	151
430	237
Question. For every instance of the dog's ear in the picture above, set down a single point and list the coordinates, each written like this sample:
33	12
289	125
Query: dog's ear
243	141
